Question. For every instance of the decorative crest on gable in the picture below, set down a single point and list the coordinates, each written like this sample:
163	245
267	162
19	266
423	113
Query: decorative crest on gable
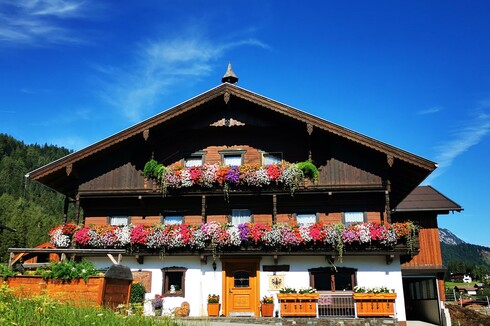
227	123
69	169
226	97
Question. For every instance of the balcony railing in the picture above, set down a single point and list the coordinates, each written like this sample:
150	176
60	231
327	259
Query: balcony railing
335	305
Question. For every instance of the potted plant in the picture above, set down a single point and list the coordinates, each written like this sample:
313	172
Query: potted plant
213	305
267	306
309	170
157	304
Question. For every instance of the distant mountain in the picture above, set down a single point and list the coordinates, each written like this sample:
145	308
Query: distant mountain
449	238
455	249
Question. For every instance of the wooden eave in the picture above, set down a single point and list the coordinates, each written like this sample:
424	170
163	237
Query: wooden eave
42	174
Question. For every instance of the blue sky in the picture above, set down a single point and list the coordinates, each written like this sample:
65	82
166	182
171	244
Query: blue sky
413	74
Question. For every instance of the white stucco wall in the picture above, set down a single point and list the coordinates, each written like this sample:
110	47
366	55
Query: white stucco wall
201	280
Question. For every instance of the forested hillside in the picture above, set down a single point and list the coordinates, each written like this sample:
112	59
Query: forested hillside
30	208
462	257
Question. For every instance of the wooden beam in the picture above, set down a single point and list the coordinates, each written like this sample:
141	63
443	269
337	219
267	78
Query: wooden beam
203	208
274	209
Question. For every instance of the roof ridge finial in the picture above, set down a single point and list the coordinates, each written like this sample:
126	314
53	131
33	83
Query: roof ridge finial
229	76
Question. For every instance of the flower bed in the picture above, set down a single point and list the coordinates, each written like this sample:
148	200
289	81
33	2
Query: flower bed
224	236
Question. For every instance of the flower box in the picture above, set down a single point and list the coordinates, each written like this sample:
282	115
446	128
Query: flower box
375	305
298	305
97	291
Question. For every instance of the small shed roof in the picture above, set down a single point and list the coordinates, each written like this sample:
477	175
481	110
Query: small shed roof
426	198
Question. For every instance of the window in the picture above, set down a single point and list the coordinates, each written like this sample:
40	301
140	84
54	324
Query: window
327	279
241	279
232	160
232	157
173	219
271	158
174	281
119	220
306	219
239	216
420	289
195	159
353	217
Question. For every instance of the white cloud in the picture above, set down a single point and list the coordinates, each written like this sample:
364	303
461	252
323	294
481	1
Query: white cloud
159	65
35	22
468	135
430	110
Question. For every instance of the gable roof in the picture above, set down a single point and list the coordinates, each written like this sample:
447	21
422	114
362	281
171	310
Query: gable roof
426	198
420	167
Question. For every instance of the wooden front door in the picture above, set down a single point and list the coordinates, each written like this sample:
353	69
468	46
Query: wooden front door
241	292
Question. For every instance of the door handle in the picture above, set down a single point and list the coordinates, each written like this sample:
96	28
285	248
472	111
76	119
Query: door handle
230	291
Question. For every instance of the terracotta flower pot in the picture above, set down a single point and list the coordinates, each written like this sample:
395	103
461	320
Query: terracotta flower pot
213	309
267	309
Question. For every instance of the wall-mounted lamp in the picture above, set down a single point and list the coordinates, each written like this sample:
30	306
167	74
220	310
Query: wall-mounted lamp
214	266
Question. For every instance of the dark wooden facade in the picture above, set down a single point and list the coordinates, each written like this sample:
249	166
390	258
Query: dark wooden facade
357	173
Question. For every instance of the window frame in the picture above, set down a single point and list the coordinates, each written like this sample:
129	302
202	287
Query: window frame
166	280
235	152
230	216
164	219
313	272
197	154
364	217
304	213
264	154
110	217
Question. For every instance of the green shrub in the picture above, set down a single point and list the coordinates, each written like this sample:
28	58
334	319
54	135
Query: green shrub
68	270
150	169
6	272
309	170
137	294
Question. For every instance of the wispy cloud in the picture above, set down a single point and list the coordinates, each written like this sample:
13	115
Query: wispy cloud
476	128
430	110
36	22
158	66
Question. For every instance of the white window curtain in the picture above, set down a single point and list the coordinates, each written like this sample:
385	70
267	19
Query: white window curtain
193	161
306	219
239	216
174	219
119	220
233	160
354	217
272	159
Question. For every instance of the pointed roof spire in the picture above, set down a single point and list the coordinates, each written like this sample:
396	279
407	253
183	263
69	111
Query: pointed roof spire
229	76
